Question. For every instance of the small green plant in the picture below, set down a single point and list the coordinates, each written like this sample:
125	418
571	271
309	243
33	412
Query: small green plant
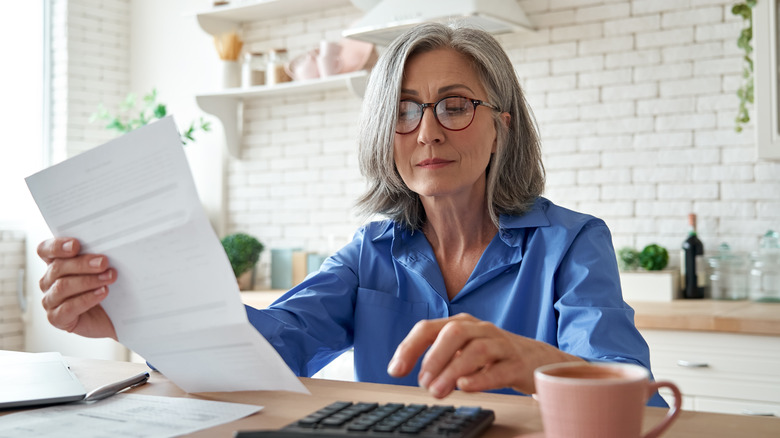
654	257
130	117
628	259
745	92
243	251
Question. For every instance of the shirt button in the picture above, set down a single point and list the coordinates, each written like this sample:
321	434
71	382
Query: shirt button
506	235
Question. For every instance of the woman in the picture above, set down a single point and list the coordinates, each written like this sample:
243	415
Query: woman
471	261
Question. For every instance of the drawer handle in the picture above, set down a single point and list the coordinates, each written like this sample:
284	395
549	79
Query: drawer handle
758	413
690	364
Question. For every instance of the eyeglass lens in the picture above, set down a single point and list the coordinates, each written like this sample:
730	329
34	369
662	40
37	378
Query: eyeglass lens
454	113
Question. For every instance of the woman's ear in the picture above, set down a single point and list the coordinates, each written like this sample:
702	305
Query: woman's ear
507	118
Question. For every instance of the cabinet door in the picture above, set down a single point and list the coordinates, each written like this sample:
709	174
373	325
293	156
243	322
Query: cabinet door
744	407
717	367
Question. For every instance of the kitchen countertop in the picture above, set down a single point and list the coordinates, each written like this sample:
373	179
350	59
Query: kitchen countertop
745	317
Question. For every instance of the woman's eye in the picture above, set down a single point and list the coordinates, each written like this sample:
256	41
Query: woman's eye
454	110
406	115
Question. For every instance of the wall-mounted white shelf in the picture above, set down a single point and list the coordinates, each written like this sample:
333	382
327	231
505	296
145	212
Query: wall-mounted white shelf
221	19
226	105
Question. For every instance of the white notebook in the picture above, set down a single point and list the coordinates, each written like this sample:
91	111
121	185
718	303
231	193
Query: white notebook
28	379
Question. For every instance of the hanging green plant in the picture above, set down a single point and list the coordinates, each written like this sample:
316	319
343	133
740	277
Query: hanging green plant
745	92
130	117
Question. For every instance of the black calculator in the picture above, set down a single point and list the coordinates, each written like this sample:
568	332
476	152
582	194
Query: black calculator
389	420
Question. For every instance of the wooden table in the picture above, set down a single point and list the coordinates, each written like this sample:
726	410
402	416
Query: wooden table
516	416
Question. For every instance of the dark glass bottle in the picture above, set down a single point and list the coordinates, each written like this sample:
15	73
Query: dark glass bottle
692	264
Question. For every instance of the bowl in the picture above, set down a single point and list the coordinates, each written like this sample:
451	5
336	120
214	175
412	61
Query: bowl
356	55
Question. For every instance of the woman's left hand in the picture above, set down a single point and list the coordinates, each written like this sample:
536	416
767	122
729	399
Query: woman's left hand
472	355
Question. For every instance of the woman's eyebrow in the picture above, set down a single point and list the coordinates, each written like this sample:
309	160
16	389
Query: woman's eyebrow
442	90
453	87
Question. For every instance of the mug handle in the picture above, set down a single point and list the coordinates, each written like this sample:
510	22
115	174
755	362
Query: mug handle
673	412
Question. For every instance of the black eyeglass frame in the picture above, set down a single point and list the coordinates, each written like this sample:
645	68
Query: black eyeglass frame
422	106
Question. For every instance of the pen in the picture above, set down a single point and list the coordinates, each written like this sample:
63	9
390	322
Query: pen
113	388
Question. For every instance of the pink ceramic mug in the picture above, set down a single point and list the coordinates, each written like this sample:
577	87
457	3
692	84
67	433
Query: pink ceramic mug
598	400
328	61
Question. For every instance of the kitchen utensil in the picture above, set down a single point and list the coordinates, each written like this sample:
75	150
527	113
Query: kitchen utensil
328	61
356	55
303	66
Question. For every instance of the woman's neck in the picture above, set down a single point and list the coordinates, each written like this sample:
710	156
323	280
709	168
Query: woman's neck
453	230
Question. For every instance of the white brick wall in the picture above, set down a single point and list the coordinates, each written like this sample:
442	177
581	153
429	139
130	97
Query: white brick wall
12	256
635	102
90	65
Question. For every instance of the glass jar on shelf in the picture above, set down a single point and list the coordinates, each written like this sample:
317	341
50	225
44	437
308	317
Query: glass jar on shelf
765	269
728	274
253	69
275	73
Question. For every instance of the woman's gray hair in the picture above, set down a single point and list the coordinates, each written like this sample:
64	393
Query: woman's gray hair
515	173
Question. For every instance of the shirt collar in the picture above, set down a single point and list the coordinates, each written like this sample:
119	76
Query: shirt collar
511	225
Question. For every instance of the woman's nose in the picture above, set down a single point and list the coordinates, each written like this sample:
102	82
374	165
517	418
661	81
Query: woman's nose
430	130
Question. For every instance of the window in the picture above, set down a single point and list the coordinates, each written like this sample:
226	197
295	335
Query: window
767	87
21	112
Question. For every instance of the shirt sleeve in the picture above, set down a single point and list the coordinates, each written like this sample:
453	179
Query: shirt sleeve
313	323
594	322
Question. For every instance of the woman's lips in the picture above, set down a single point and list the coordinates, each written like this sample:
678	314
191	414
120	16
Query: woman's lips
433	163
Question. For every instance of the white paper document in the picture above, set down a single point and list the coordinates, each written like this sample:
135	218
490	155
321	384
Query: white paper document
123	415
176	301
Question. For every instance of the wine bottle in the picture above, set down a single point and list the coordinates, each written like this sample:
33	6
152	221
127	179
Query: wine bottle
692	274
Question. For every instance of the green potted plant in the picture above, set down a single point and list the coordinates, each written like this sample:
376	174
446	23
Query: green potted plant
243	251
654	257
643	276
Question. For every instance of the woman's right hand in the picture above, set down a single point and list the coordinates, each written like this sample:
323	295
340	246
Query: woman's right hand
73	287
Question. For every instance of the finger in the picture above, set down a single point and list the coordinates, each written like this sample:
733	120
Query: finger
66	315
68	287
495	375
462	348
476	358
422	335
51	249
85	264
454	335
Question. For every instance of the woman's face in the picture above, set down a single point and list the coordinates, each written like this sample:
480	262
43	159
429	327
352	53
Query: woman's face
434	162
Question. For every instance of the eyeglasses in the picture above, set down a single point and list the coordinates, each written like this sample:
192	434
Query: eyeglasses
454	113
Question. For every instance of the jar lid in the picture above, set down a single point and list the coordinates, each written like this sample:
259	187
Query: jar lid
770	240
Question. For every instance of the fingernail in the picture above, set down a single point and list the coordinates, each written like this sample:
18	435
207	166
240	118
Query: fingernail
439	389
425	379
105	276
95	263
67	246
101	291
392	367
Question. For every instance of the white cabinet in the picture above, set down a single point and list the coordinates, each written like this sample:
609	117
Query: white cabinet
719	372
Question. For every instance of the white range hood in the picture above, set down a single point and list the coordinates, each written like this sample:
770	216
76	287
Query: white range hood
389	18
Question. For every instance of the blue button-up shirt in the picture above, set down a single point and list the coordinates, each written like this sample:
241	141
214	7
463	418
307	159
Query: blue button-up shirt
550	274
